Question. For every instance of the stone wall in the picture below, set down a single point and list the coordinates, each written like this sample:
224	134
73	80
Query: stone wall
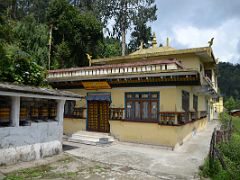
27	143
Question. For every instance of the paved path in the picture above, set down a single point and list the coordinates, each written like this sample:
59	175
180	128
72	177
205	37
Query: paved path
1	176
182	163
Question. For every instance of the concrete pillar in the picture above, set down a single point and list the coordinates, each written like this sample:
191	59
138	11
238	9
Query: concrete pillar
15	111
60	110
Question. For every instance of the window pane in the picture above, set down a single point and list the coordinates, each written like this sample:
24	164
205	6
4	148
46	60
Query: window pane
129	110
145	96
137	110
154	96
195	102
154	110
129	95
145	110
185	100
137	95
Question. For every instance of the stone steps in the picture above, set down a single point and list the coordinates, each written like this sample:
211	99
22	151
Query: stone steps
91	138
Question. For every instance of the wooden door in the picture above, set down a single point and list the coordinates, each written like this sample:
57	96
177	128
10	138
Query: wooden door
98	116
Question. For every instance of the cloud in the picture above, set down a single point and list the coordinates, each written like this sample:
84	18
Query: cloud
192	23
226	39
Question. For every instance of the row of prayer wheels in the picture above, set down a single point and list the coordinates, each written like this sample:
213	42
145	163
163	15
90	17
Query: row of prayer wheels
33	113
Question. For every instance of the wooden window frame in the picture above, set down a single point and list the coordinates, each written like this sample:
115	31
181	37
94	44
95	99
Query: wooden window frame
185	97
195	102
141	100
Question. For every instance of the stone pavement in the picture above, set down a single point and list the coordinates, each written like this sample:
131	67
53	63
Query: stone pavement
1	176
182	163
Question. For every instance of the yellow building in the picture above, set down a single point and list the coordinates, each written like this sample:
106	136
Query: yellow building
159	96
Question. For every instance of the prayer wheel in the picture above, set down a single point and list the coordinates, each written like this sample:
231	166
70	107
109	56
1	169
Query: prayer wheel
43	112
5	114
23	113
34	113
52	112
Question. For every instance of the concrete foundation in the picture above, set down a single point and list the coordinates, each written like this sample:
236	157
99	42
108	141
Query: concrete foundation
30	142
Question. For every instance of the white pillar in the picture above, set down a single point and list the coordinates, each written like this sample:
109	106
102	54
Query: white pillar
15	111
60	110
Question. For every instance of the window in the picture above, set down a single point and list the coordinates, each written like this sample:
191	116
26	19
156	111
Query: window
69	107
195	102
142	106
208	73
185	101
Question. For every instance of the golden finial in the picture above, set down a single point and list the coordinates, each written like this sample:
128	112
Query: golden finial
211	42
89	57
154	40
167	42
141	45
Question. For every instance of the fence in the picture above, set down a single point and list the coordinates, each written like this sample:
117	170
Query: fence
221	135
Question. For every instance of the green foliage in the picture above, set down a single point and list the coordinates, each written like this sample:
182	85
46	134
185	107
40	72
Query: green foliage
111	47
231	155
141	33
73	32
127	13
18	67
228	79
231	104
32	37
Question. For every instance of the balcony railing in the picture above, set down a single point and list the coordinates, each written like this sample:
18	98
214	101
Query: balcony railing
164	118
157	65
79	113
116	113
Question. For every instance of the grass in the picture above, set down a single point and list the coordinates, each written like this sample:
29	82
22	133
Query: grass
43	171
231	156
29	173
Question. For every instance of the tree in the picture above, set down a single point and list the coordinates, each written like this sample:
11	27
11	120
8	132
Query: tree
141	33
232	104
32	37
18	67
81	32
19	9
228	79
111	47
125	12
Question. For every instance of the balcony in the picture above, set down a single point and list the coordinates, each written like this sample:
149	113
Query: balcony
115	69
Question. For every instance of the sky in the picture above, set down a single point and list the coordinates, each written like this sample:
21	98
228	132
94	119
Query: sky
192	23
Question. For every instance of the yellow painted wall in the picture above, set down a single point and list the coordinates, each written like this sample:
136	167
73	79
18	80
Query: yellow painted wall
147	133
192	62
168	96
152	133
219	105
72	125
189	61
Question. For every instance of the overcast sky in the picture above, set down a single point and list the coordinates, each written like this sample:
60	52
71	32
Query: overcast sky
192	23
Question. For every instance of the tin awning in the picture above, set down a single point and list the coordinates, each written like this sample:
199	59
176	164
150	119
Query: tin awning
99	97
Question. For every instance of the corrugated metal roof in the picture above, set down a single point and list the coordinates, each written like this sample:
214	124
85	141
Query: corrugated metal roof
9	87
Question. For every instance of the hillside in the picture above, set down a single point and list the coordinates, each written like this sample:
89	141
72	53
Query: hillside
229	79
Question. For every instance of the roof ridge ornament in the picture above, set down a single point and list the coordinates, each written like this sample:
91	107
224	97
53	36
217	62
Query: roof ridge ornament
89	57
141	45
154	40
211	42
167	42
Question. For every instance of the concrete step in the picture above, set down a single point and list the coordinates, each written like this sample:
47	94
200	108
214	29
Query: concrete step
91	138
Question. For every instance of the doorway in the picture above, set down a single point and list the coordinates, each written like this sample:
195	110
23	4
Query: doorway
98	116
